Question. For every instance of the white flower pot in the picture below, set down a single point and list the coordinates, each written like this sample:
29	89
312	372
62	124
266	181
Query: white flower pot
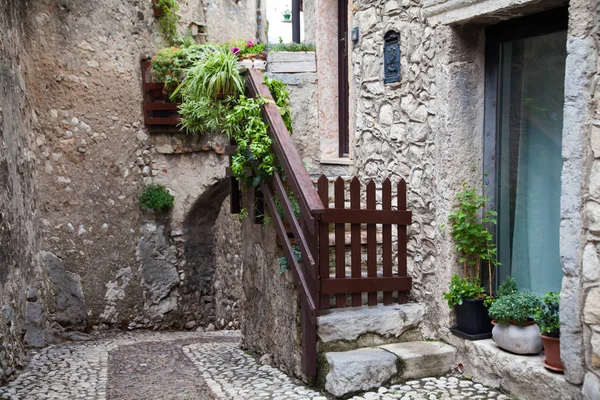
518	339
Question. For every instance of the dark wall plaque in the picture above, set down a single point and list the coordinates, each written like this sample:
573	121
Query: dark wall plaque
391	57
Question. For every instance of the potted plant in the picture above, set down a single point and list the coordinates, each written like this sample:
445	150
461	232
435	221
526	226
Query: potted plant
287	15
515	329
215	77
469	222
546	316
467	298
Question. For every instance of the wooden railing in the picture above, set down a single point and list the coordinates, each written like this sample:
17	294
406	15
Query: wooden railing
305	228
311	232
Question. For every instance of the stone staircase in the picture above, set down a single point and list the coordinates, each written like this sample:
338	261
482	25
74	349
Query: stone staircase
364	348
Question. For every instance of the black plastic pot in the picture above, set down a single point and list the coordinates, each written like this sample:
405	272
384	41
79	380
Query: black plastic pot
472	320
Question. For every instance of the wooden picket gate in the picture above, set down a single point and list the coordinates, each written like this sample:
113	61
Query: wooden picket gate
379	274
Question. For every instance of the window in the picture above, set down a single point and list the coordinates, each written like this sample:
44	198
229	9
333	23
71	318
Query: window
525	73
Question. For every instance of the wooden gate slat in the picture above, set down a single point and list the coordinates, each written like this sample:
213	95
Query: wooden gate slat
387	238
323	188
371	242
402	245
355	240
340	241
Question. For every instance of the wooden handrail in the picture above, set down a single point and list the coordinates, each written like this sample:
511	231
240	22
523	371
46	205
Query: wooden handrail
303	280
298	178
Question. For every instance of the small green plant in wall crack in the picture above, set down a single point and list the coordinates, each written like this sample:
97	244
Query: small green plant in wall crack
156	197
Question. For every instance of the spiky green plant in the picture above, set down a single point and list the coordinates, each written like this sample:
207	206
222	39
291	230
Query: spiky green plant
216	76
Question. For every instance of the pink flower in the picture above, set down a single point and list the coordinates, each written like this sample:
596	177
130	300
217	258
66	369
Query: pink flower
250	44
235	50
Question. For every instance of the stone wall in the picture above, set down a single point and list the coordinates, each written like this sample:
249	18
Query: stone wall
21	310
428	129
424	129
271	311
96	157
234	19
586	39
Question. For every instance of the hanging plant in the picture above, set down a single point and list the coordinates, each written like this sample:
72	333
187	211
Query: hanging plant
167	19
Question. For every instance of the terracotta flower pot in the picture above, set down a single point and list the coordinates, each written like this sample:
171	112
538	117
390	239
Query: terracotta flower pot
552	350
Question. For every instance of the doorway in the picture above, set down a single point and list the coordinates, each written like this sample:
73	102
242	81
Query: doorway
525	74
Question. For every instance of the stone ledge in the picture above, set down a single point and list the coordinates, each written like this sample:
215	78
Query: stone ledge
451	12
523	376
348	324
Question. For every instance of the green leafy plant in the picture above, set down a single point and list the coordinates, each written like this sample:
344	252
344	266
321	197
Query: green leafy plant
517	308
291	47
546	315
168	21
243	214
462	288
215	77
507	287
283	261
293	203
156	197
472	238
281	96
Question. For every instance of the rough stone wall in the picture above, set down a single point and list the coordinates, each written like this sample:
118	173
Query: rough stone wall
271	311
428	130
424	129
96	157
235	19
303	100
20	309
310	22
585	45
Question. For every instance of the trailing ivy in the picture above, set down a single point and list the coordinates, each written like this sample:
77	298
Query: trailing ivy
281	95
168	21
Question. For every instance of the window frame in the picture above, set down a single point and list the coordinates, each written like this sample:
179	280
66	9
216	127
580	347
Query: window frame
530	26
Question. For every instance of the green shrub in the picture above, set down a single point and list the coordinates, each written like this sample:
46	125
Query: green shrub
509	286
517	308
546	314
156	197
463	289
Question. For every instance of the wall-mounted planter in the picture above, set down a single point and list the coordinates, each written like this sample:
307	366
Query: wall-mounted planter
284	62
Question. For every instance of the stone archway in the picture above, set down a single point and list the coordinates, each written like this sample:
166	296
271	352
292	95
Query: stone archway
200	255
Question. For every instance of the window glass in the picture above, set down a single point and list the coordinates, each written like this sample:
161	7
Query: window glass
529	166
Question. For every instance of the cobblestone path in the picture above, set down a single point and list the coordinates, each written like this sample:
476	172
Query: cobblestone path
190	366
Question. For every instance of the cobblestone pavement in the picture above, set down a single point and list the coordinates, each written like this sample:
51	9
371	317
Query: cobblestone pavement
450	388
190	366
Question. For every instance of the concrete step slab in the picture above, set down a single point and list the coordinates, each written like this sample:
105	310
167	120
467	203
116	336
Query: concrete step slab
348	324
358	370
423	359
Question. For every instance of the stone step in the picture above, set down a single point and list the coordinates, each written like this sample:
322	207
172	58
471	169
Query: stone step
363	369
388	322
423	359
